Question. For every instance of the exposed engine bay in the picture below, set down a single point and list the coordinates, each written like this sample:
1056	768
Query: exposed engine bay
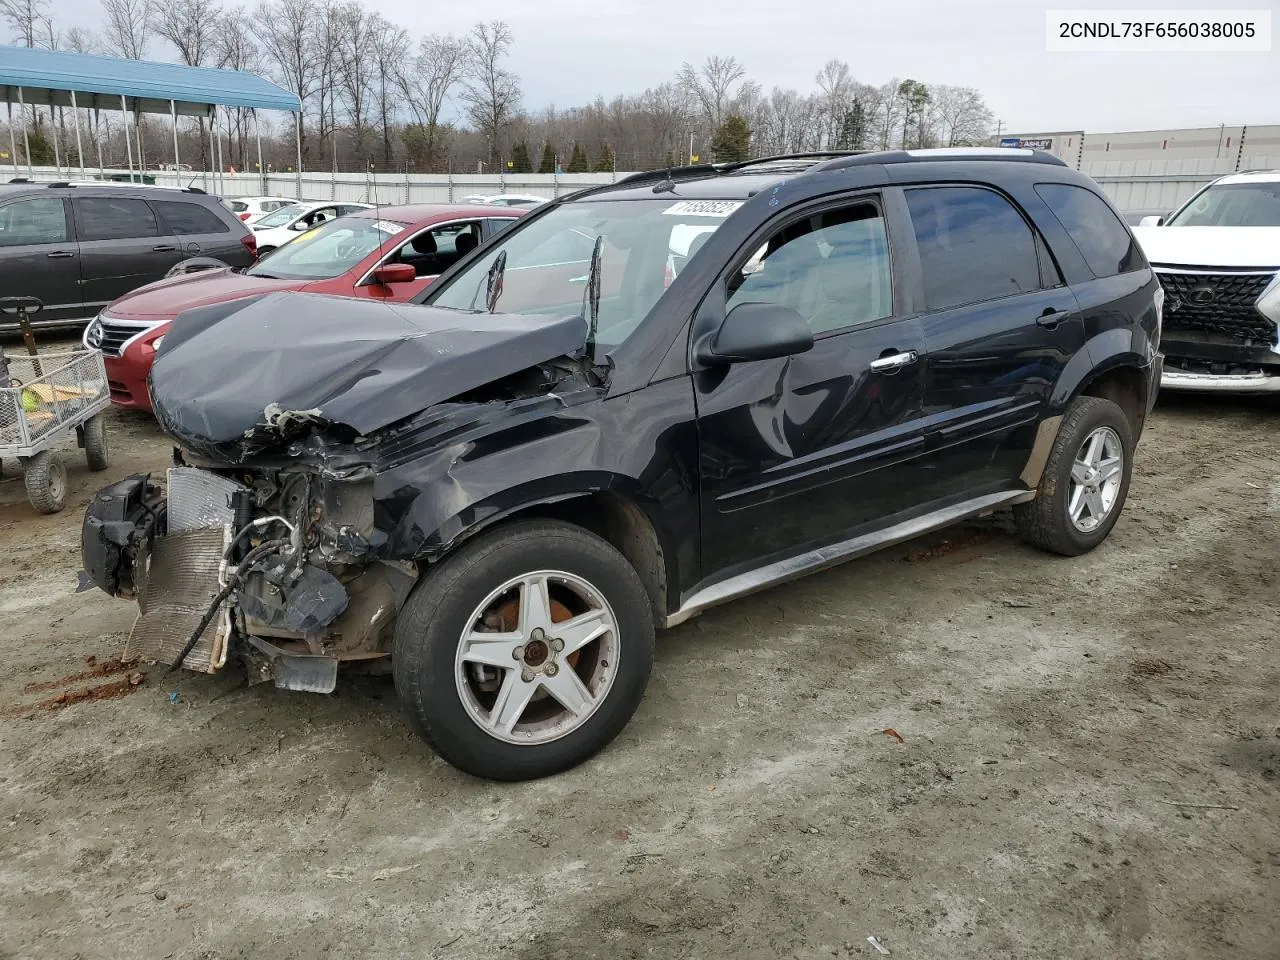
290	537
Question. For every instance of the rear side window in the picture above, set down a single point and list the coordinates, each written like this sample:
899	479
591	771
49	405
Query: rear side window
974	246
37	220
113	218
1097	232
497	225
186	219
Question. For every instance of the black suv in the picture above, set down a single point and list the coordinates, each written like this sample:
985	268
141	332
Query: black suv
78	246
752	372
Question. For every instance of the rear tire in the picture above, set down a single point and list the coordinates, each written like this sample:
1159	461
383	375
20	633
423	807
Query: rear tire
1085	480
487	687
95	443
45	476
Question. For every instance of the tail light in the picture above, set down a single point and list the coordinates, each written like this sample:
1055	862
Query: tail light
250	243
246	215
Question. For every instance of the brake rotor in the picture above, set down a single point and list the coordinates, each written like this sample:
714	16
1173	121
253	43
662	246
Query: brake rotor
508	615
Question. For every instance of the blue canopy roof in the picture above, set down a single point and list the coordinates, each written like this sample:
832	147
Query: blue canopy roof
48	77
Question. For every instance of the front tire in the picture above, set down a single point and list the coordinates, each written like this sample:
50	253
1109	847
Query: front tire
95	443
1085	480
526	652
45	477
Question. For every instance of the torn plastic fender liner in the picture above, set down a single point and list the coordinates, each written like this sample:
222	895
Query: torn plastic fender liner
226	386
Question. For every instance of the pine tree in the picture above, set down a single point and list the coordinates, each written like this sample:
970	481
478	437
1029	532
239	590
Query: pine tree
605	162
731	142
548	164
520	162
578	160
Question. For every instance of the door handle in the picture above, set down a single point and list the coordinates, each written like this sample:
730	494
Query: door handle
60	255
164	248
1051	318
894	361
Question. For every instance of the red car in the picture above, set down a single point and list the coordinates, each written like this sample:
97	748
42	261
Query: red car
387	253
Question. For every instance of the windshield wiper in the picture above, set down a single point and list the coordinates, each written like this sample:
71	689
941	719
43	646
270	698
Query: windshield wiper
591	296
491	284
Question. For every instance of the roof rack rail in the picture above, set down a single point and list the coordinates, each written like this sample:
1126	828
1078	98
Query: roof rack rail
999	154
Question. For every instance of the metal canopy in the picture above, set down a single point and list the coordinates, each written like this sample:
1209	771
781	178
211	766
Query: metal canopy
51	77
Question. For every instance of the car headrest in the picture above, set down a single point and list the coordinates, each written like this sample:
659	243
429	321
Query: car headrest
424	243
465	243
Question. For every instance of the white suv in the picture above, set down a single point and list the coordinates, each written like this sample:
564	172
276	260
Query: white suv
1218	259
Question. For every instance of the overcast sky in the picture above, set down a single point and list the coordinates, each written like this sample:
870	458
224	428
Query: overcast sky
567	51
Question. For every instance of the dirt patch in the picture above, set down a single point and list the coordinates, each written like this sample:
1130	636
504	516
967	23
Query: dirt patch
96	669
1088	764
113	690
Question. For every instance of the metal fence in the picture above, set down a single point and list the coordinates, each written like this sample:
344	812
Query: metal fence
388	188
1133	185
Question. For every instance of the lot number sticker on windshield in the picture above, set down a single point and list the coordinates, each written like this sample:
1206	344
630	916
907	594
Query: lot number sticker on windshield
386	226
702	208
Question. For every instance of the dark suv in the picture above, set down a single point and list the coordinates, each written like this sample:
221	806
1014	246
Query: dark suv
505	490
78	246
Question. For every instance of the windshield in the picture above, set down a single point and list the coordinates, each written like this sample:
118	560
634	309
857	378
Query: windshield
548	260
1232	205
329	250
281	216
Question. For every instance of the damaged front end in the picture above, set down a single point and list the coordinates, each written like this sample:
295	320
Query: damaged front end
303	502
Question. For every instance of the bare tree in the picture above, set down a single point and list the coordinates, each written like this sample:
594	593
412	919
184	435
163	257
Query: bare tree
426	82
192	27
129	27
82	40
491	92
235	48
354	68
285	27
28	19
960	116
710	86
388	49
837	86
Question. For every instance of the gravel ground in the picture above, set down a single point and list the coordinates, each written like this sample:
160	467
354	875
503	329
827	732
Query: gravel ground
1086	762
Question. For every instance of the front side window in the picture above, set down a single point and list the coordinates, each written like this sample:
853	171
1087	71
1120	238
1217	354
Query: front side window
37	220
1232	205
434	251
973	244
832	268
113	218
1098	234
548	261
328	251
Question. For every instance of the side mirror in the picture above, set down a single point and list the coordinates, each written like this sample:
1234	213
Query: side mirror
757	331
1151	222
395	273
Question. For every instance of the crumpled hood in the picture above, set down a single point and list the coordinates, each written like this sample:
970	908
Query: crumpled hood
1211	246
246	370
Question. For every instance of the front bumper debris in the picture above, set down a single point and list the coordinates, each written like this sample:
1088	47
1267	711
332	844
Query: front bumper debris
180	555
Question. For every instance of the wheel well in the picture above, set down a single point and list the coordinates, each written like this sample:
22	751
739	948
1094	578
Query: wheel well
621	523
1123	386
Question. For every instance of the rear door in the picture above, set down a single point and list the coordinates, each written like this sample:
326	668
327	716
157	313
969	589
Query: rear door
797	452
122	246
39	257
200	232
1000	326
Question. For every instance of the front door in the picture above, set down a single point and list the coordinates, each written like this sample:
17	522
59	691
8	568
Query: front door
122	247
798	452
1000	327
39	257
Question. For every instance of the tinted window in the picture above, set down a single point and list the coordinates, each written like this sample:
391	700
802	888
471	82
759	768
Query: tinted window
832	269
38	220
1102	239
113	218
973	246
1232	205
189	218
